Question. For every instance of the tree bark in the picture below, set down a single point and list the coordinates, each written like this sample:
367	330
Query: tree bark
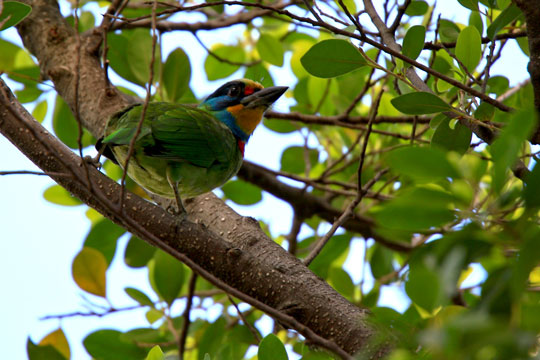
231	248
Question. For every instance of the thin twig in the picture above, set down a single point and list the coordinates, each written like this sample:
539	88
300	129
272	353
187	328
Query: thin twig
131	149
187	311
251	328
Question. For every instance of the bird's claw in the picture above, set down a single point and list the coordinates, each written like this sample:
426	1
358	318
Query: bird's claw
94	161
181	214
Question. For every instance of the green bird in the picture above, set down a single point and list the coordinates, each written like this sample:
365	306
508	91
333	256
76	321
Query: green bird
184	151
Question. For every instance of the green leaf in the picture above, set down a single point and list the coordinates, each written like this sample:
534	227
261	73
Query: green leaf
413	43
40	111
139	296
280	126
531	192
508	15
419	103
332	254
417	209
448	31
212	339
292	159
16	12
469	47
381	261
270	49
457	139
475	19
65	125
341	281
260	74
103	237
57	339
271	348
138	253
118	59
349	5
506	147
242	193
88	270
58	195
111	345
166	276
155	353
331	58
176	75
42	352
423	288
30	93
421	163
469	4
417	8
216	69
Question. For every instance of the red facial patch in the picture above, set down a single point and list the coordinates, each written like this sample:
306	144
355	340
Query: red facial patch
249	90
241	146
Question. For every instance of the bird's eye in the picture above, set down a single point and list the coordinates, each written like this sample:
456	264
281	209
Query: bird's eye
234	91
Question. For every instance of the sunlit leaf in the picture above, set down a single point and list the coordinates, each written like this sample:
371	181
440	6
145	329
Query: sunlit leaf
43	352
469	47
88	270
57	339
155	353
58	195
508	15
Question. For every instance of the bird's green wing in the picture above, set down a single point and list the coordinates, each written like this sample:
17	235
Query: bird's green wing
123	126
190	134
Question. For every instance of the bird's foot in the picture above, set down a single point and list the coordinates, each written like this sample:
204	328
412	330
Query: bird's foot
94	161
181	213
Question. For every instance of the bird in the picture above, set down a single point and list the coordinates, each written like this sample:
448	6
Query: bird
184	151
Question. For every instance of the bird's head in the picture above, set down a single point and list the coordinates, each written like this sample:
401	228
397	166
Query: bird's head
240	104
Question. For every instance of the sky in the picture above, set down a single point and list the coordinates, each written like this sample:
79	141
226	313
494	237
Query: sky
39	240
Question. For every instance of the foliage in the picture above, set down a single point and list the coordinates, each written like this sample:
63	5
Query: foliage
448	205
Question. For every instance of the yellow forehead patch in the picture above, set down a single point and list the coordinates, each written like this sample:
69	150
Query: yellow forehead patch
246	119
252	84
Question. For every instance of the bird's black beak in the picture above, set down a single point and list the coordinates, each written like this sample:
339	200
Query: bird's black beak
264	97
